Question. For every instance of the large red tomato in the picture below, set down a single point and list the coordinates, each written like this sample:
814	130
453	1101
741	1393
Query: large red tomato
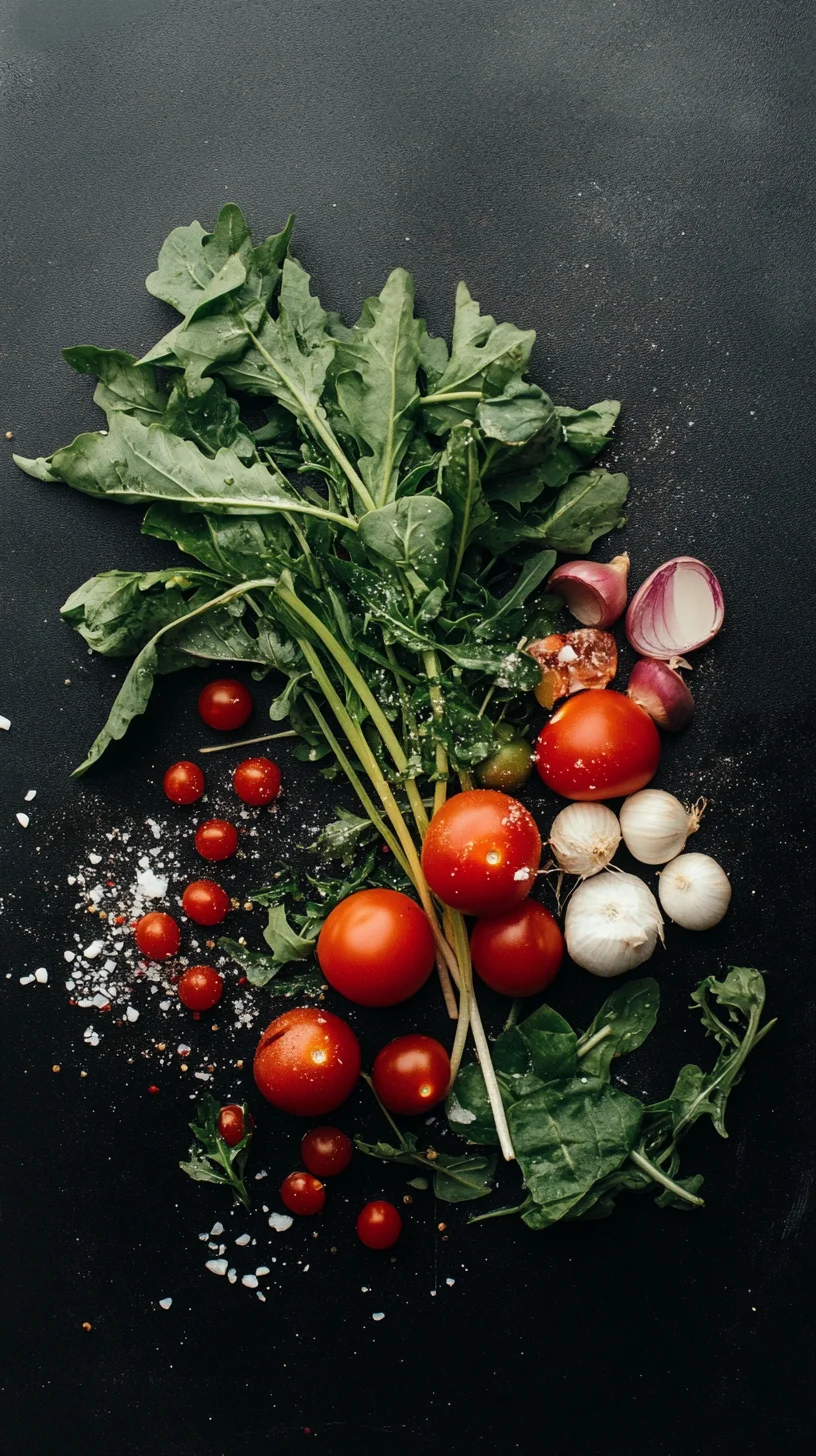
481	852
307	1061
598	745
376	947
518	953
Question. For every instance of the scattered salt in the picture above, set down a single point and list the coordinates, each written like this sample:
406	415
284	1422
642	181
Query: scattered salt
23	820
93	950
95	859
378	1316
150	885
242	1240
41	975
132	1014
232	1275
216	1266
69	955
217	1228
5	723
26	980
165	1303
261	1271
280	1222
250	1281
29	795
450	1283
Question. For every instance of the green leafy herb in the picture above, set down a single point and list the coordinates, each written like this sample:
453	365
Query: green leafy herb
211	1160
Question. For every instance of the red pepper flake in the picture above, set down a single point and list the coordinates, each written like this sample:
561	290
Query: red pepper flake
111	884
153	1090
384	849
242	980
103	1009
72	1000
120	920
196	1016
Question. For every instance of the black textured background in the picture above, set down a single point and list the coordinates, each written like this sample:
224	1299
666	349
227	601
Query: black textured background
632	179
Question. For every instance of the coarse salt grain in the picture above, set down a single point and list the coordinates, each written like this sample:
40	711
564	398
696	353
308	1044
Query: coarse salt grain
232	1275
165	1303
242	1240
379	1316
5	723
23	820
69	955
250	1281
261	1271
132	1014
217	1228
93	950
217	1266
95	859
280	1222
41	975
26	980
29	795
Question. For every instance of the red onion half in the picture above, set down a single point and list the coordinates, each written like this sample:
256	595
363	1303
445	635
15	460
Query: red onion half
594	591
658	689
678	608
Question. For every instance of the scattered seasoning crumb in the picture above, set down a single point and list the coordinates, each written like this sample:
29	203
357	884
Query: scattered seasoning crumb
153	1090
441	1227
86	1325
165	1303
56	1067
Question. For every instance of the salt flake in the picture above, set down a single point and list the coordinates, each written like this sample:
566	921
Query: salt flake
23	820
280	1222
217	1266
165	1303
41	975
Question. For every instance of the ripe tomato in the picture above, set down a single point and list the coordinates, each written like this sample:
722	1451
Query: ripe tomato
225	704
510	766
205	902
184	782
411	1074
307	1062
302	1193
481	852
376	947
216	839
598	745
379	1225
326	1151
200	988
232	1124
518	953
257	780
158	935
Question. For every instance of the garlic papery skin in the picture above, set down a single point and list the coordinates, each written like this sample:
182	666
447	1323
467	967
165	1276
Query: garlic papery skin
594	591
612	924
695	891
584	838
655	825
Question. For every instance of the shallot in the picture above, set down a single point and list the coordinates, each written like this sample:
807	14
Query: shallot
655	825
660	690
584	838
612	924
694	891
678	608
594	591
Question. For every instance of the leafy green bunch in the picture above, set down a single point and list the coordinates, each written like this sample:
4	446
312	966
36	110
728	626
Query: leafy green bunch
365	510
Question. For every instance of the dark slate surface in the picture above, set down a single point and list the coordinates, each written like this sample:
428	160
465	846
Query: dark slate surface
633	180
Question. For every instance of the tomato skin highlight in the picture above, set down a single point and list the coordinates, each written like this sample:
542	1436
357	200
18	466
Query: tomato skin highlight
307	1062
225	704
481	852
379	1224
411	1074
257	781
520	953
326	1151
598	745
303	1193
200	988
216	839
158	935
231	1124
509	766
376	947
183	782
205	902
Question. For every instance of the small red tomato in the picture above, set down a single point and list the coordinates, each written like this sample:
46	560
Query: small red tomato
216	839
598	745
184	782
518	953
411	1074
303	1193
376	947
205	902
379	1225
307	1062
257	781
232	1124
326	1151
200	988
225	704
481	852
158	935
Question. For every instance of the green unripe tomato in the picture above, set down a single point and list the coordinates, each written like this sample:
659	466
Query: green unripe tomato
509	766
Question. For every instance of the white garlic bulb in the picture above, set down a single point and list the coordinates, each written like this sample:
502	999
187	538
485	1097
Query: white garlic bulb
694	891
612	924
655	825
584	838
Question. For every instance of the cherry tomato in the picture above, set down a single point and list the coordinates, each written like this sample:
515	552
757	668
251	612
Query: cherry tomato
481	852
225	704
216	839
302	1193
200	988
518	953
411	1074
598	745
307	1062
376	947
232	1124
257	780
205	902
158	935
326	1151
184	782
510	765
379	1225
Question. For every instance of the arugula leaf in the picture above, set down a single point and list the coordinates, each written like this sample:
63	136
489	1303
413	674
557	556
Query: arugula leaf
260	969
39	468
460	487
588	506
535	570
234	547
291	355
117	612
343	836
190	258
375	379
623	1022
123	384
482	352
284	942
588	430
201	411
463	1177
519	413
412	533
213	1161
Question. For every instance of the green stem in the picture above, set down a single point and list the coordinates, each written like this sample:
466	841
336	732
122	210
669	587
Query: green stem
384	1110
319	426
451	398
500	1212
586	1046
431	663
465	997
306	549
660	1177
473	481
245	742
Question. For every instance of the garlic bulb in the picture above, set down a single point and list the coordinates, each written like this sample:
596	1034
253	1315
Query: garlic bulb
612	924
584	838
694	891
655	825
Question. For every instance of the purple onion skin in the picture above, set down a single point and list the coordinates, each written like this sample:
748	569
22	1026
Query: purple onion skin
662	693
648	620
594	591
